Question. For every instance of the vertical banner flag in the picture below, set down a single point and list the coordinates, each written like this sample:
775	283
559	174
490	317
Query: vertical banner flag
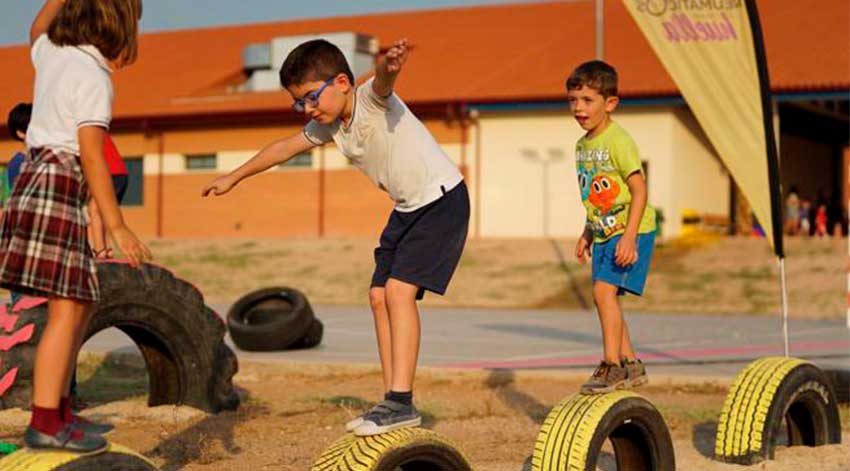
714	52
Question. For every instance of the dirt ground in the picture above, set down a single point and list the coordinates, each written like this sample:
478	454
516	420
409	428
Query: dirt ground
708	274
291	412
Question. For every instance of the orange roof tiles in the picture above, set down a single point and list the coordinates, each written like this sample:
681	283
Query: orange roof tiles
499	53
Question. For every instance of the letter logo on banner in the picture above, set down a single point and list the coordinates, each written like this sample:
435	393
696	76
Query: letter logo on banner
707	48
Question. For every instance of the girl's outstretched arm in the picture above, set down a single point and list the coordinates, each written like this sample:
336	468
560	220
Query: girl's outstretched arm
44	18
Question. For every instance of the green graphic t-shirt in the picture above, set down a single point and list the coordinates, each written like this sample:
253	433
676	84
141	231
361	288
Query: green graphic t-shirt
603	164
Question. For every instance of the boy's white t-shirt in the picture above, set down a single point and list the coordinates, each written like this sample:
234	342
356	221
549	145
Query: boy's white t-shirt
73	88
392	147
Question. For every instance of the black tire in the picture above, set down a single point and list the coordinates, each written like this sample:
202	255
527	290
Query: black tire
767	393
269	319
576	429
313	337
410	449
181	339
118	458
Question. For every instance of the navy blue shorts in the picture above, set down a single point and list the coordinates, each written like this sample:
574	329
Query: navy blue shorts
423	247
629	279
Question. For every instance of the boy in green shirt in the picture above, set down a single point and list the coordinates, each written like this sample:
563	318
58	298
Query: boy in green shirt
620	228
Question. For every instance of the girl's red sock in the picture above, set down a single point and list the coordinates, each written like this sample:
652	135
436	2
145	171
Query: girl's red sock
65	412
46	421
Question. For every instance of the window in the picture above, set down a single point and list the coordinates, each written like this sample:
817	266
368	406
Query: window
201	162
134	195
302	160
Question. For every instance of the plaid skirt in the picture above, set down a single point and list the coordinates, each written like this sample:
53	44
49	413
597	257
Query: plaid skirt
44	248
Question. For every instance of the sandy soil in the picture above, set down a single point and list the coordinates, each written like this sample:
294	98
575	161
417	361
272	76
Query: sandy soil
291	412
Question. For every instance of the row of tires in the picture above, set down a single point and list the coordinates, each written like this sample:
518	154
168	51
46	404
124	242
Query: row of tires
770	399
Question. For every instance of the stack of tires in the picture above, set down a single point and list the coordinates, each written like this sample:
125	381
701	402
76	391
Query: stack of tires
277	318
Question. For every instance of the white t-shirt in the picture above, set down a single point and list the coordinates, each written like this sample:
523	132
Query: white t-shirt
392	147
73	88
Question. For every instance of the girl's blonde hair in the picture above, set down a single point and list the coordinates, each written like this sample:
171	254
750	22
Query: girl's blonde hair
112	26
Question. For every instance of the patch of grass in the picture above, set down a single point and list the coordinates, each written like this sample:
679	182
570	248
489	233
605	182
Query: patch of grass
229	261
763	273
347	402
844	414
112	377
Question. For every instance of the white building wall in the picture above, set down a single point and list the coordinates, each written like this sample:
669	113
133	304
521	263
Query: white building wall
682	170
700	181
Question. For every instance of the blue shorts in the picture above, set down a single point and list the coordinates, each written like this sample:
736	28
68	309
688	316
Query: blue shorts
630	279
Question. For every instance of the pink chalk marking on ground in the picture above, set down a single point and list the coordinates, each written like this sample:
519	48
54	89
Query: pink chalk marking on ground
23	335
685	354
8	380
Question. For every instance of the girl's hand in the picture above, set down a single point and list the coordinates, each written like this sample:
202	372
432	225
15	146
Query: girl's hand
131	246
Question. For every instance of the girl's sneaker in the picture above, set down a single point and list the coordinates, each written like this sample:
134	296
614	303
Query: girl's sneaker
636	373
386	417
69	438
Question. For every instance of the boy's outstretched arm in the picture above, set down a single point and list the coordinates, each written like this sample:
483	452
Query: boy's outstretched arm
44	18
388	68
273	154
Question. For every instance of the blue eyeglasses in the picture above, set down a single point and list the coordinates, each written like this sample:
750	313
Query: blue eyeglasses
312	98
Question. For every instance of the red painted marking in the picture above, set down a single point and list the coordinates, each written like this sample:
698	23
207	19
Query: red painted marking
685	354
7	321
28	302
7	380
23	335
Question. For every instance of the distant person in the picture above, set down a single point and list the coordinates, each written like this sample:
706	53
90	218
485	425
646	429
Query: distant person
620	227
805	217
421	245
792	212
18	122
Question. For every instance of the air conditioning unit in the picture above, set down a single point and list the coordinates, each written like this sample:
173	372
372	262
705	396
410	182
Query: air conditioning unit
263	61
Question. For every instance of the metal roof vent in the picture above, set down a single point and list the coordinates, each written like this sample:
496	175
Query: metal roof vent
263	64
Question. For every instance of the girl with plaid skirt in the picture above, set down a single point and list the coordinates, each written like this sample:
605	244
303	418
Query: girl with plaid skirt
44	249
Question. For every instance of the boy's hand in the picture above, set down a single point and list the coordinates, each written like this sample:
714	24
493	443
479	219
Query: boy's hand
583	249
219	186
131	246
395	57
626	253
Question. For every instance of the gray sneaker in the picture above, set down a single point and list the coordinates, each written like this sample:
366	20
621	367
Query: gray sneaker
70	438
386	417
354	423
636	373
608	377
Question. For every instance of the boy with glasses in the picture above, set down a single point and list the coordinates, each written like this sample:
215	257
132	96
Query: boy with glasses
423	240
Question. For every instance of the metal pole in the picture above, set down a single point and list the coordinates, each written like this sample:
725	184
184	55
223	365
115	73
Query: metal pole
600	29
784	305
546	198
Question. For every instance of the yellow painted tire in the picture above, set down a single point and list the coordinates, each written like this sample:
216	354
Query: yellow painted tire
410	449
767	393
575	430
116	458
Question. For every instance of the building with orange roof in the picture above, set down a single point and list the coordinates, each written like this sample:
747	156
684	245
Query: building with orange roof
489	84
